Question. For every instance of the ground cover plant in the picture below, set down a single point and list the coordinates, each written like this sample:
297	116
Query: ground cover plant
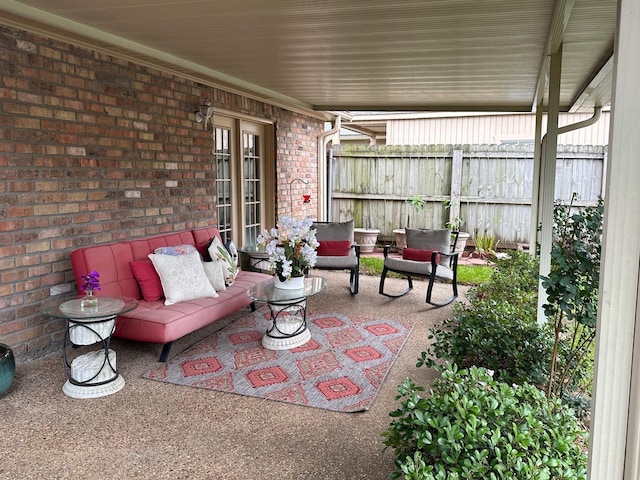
474	427
497	327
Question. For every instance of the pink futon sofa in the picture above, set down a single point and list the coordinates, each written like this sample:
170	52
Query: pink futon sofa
154	321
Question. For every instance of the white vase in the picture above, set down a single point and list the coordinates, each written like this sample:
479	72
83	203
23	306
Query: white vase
293	283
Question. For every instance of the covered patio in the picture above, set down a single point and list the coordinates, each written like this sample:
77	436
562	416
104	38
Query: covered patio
158	430
543	56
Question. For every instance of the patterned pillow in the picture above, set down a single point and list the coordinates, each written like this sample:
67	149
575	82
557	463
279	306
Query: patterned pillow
182	277
175	250
219	253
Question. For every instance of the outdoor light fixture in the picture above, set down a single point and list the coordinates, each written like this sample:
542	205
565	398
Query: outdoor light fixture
204	112
305	198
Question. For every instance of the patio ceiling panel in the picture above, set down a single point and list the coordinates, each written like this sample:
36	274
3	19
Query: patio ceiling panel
454	55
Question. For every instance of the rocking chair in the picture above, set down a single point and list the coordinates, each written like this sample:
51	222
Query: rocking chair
337	250
429	254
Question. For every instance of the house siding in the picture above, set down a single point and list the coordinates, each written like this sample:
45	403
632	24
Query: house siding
96	149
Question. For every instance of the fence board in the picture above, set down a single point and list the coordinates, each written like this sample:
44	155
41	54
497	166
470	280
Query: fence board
371	185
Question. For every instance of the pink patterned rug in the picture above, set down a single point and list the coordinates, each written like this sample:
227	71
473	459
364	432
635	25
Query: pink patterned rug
341	368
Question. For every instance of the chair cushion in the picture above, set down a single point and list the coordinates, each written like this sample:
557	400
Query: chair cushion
336	248
332	231
417	268
419	255
439	240
348	261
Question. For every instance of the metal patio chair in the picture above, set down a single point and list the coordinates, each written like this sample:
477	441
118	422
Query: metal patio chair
429	254
338	250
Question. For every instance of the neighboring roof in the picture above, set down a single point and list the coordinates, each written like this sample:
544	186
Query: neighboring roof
464	55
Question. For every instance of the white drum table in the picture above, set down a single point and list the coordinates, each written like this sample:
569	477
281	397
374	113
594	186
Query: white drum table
93	374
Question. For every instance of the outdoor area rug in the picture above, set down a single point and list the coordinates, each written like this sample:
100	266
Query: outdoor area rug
341	368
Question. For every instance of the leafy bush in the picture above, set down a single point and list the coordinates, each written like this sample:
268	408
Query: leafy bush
572	295
498	327
473	427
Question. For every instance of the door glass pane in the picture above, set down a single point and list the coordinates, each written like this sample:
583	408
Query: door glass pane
251	176
222	153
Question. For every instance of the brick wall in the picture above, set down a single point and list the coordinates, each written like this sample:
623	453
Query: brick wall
95	149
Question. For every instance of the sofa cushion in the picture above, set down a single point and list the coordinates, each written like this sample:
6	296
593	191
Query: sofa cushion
182	277
214	271
148	280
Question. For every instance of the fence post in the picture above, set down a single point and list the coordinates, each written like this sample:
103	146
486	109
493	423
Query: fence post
456	185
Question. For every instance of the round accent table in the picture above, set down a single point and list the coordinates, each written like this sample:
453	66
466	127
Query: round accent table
288	311
92	374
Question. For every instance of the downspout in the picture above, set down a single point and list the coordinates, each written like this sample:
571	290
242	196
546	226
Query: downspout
324	214
583	123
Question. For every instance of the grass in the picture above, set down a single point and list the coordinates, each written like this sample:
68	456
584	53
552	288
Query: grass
467	274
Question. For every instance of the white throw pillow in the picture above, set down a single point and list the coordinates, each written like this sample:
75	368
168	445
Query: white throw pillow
182	277
217	252
215	273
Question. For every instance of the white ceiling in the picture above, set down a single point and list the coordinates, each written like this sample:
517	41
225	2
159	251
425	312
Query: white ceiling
454	55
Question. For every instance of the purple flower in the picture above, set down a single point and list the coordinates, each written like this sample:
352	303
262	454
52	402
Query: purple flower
91	282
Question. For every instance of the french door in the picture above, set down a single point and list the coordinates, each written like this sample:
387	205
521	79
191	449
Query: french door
244	179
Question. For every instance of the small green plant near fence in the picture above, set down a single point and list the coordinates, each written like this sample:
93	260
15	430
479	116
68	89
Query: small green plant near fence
486	244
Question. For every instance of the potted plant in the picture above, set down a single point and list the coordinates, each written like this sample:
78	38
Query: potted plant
366	237
417	204
454	223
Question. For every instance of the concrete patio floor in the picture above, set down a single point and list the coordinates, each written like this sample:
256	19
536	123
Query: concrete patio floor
156	430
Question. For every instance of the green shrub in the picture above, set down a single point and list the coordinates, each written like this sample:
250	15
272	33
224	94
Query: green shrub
498	327
473	427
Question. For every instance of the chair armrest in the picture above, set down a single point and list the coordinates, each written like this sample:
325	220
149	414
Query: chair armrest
453	258
387	247
356	248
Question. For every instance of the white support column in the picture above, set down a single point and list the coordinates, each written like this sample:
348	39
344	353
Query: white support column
548	176
535	193
615	424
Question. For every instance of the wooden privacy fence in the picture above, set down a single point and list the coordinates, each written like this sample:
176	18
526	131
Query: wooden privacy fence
491	185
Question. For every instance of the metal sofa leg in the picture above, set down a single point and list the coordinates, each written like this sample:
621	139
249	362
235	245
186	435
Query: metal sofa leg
391	295
165	351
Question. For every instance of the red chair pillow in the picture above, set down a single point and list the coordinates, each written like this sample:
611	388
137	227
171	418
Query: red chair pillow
334	248
419	255
148	280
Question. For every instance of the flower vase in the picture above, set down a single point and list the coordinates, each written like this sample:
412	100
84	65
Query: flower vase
89	302
293	283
